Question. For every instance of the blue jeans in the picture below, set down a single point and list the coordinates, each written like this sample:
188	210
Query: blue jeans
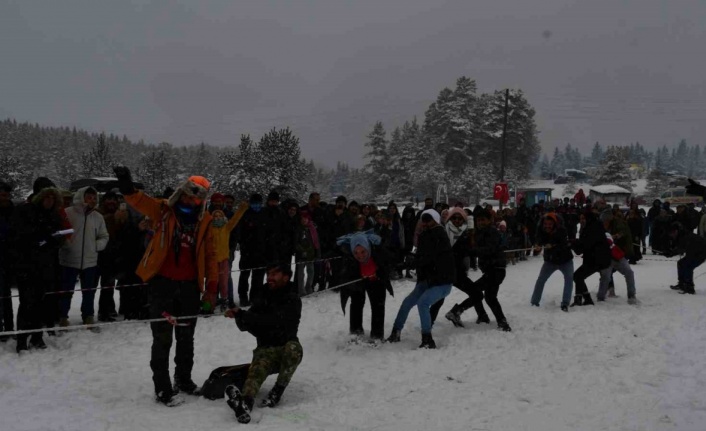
567	269
89	280
423	297
685	269
623	267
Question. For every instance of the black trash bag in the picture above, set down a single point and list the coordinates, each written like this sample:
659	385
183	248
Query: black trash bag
215	386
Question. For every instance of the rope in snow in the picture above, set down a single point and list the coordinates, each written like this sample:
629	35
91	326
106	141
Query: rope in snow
296	263
59	329
166	318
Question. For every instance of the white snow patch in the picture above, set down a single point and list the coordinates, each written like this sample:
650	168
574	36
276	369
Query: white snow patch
607	367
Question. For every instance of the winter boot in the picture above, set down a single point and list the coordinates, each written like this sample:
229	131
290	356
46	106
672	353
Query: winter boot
394	336
169	398
455	316
502	324
587	299
678	286
427	342
611	292
274	396
105	318
88	321
578	301
22	343
186	385
37	342
632	300
688	288
242	406
564	308
483	318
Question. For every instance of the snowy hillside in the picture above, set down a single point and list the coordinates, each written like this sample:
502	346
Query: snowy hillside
607	367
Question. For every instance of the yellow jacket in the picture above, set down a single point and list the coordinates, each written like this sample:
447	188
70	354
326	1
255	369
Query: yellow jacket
221	235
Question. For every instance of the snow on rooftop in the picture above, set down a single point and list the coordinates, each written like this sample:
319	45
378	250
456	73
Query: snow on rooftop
609	188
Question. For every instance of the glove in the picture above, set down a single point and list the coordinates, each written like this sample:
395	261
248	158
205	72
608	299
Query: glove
122	173
695	189
209	297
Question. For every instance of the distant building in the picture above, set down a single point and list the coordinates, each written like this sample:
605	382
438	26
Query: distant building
612	194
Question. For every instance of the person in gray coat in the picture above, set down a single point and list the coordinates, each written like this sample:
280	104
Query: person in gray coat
79	255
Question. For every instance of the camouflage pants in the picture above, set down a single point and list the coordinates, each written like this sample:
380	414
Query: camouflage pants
282	361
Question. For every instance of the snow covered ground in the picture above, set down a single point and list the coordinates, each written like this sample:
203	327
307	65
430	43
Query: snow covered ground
608	367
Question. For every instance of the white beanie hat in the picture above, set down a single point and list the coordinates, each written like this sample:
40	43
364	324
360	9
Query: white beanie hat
433	214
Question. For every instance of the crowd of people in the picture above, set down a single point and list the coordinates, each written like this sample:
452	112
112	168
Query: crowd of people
172	256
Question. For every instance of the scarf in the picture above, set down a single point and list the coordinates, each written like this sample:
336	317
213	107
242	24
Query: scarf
314	234
454	232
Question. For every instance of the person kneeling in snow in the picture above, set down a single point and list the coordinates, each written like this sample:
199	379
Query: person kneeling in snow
274	320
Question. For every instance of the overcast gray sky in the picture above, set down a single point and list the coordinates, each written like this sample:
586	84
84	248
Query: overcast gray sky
614	71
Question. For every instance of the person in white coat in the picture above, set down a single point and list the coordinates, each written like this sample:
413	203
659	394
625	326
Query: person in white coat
79	255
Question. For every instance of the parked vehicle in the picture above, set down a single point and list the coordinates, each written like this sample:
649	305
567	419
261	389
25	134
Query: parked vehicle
678	196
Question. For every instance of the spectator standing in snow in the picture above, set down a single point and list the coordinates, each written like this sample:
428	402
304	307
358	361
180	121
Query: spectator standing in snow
35	245
274	321
397	240
368	263
6	210
580	198
435	273
78	257
114	218
409	223
131	242
557	257
652	214
339	222
222	227
180	260
307	249
251	237
635	224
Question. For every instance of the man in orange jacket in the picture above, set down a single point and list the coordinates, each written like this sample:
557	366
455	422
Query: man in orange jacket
179	261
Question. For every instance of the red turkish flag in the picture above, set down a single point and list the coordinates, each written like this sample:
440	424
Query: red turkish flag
501	192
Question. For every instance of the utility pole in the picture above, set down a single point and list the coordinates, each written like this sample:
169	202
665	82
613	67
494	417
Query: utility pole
502	157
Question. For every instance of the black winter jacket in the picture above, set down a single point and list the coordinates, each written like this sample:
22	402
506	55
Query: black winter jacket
274	317
434	259
350	270
593	245
251	235
34	248
488	249
691	245
557	250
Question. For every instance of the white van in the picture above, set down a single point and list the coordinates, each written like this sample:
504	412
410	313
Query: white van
678	196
